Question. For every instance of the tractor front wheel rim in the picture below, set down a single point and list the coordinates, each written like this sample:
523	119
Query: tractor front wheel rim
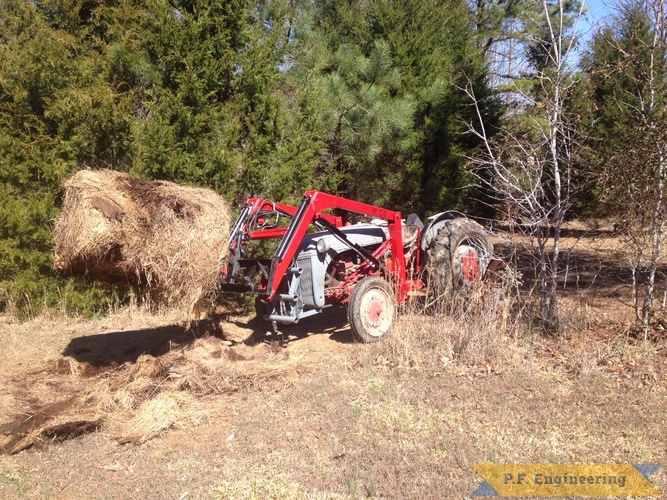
375	312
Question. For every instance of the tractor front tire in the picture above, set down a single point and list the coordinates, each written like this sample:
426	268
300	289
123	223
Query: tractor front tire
372	309
457	256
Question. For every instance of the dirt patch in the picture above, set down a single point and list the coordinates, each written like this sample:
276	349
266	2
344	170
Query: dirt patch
137	383
37	427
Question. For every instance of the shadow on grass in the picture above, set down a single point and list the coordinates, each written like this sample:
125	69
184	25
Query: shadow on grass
608	276
115	348
565	232
332	321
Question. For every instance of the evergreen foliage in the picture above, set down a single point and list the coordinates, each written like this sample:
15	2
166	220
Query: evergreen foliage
432	48
56	113
622	128
266	98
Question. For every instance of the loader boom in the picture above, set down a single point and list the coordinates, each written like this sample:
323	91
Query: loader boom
311	211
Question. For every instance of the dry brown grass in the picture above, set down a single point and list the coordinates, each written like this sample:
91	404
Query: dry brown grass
261	483
322	418
139	400
156	234
478	326
201	414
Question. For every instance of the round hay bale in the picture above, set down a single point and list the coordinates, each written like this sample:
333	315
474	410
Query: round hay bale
168	238
89	233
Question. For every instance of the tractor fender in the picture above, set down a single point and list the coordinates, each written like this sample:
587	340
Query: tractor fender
435	222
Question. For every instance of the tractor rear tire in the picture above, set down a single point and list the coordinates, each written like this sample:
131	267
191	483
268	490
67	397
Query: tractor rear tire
372	309
457	256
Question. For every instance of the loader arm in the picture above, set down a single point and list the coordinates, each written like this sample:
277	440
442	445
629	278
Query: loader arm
310	211
258	220
248	227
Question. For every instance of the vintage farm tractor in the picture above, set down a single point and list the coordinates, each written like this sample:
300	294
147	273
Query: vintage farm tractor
318	259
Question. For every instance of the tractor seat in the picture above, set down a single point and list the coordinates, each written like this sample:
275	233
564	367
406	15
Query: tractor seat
410	234
411	229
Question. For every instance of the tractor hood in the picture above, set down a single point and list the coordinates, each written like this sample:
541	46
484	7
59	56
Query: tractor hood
364	235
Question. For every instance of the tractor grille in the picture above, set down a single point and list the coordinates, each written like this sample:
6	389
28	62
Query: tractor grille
306	281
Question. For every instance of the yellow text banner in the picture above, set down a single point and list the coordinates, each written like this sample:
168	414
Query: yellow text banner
566	480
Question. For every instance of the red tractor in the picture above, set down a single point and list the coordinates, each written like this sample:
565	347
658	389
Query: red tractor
318	261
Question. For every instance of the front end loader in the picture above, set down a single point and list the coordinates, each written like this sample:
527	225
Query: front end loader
297	261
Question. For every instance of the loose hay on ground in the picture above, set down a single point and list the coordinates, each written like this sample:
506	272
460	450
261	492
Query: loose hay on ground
155	234
140	399
173	410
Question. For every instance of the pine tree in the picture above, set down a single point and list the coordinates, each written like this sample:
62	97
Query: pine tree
436	50
182	59
56	114
431	46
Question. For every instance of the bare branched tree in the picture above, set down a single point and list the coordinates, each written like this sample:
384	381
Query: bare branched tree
529	163
632	59
651	116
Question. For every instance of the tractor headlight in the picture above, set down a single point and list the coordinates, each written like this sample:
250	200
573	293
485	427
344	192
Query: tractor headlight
322	246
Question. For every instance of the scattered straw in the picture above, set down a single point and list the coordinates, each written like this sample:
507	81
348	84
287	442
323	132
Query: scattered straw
172	410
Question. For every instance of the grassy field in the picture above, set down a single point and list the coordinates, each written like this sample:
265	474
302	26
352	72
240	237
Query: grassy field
135	405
